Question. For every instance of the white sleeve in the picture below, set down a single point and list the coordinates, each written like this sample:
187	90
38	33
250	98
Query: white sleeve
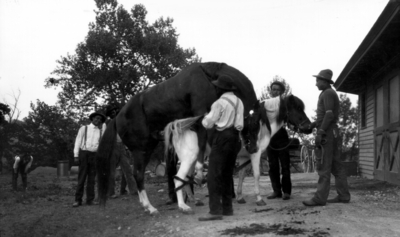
29	164
17	159
78	141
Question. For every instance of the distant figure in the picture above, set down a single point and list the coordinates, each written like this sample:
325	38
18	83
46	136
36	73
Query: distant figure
86	145
21	166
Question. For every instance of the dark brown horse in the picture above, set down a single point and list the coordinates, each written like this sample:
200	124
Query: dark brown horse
189	93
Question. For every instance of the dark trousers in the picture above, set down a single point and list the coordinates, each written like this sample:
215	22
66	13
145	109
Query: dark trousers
24	176
123	185
171	172
225	145
328	162
279	163
121	157
87	169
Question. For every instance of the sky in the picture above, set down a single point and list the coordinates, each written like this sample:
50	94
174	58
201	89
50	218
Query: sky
293	39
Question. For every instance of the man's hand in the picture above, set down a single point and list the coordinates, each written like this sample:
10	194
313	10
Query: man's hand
312	125
76	159
320	138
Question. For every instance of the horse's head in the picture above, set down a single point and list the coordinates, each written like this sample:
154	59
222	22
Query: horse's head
295	114
251	128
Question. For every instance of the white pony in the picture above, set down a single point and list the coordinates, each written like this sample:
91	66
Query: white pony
179	137
262	124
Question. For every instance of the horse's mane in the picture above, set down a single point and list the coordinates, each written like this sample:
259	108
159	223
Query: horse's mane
289	101
297	102
211	69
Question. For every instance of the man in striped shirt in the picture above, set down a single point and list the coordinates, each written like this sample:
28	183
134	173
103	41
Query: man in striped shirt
86	144
226	116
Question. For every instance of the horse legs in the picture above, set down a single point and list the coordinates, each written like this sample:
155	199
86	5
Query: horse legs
255	162
184	170
141	160
242	175
186	147
198	179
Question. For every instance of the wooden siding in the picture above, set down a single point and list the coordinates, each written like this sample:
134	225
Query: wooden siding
366	138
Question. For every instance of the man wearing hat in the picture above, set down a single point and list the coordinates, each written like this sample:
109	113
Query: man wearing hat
278	155
226	116
327	144
86	144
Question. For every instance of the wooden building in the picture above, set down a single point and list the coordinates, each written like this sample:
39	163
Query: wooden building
373	73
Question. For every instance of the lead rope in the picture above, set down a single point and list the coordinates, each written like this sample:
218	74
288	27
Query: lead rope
279	149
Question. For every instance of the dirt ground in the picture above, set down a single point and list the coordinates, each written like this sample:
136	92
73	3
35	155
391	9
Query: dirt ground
45	210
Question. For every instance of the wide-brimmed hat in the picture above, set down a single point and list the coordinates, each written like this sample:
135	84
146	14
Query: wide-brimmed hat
103	117
325	74
224	82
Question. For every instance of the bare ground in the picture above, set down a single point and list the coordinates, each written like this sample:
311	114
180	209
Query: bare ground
45	210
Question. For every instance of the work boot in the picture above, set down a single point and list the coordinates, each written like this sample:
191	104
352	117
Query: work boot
286	196
311	203
210	217
274	195
337	200
76	204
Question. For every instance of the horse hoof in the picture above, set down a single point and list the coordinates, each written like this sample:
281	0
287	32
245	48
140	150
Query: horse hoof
199	204
241	201
187	211
155	213
261	203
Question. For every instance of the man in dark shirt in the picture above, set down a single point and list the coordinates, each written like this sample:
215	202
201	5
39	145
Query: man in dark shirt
327	145
278	155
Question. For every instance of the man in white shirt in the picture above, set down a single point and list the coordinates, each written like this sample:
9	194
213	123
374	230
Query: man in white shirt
86	144
226	116
21	165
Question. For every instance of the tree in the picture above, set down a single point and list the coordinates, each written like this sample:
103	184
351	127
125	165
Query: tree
48	134
265	92
348	124
121	55
4	110
9	127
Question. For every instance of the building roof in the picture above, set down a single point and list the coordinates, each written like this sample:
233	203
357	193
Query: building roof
379	50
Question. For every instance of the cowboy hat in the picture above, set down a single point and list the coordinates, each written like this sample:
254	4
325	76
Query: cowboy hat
224	82
103	117
325	74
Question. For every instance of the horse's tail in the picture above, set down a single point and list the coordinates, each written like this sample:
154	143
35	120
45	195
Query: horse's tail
103	159
176	129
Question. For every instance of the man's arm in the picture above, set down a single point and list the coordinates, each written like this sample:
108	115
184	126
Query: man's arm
329	103
211	118
238	123
78	142
16	163
29	165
